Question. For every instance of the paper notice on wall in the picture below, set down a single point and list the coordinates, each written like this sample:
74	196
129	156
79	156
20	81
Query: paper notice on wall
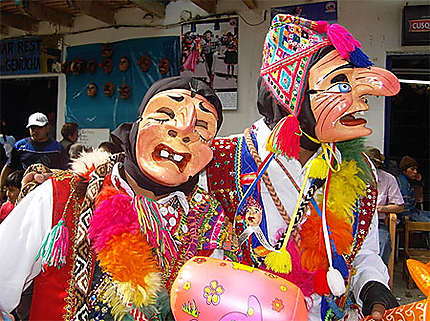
228	99
93	137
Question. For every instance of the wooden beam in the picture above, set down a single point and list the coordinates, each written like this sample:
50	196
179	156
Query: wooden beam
96	10
44	13
153	7
207	5
4	30
18	21
250	4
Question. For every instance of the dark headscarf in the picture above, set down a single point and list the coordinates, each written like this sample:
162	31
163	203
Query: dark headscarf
274	112
126	134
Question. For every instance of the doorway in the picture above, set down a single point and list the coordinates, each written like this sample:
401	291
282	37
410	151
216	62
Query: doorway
407	125
20	97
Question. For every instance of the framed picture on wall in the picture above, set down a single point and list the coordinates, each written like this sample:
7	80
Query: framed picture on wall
209	51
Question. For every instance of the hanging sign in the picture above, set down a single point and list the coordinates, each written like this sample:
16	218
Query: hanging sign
416	25
20	56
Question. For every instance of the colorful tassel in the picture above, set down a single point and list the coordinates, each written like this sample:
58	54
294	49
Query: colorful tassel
320	282
335	282
285	137
346	45
55	245
318	168
279	262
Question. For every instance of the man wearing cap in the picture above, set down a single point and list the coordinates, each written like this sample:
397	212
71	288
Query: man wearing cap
37	148
303	165
389	200
407	179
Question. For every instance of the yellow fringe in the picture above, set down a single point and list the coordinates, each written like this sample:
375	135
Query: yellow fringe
345	188
279	261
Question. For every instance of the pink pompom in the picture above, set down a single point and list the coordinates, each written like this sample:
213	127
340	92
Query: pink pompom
321	27
113	216
342	40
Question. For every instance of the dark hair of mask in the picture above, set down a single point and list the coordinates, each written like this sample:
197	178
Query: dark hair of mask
274	112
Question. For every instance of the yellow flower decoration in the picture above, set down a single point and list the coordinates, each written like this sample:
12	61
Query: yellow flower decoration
187	285
213	292
283	288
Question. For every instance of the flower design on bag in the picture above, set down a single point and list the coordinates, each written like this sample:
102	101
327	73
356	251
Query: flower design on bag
213	293
277	305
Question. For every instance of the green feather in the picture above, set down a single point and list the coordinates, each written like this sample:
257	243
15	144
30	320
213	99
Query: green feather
353	150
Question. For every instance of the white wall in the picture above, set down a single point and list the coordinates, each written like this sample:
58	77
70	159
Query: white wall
376	23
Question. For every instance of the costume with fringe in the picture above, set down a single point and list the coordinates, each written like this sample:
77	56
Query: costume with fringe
134	247
350	207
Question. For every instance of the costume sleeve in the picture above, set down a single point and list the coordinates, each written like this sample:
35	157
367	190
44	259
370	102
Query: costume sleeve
21	235
368	264
394	194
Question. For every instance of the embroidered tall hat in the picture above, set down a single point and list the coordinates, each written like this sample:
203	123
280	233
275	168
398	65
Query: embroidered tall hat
287	52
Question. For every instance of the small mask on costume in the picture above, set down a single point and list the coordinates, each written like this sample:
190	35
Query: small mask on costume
175	133
92	89
109	89
124	64
124	91
107	65
91	66
164	66
107	50
144	63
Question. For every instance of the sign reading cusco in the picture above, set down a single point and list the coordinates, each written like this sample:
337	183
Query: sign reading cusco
419	25
416	25
20	56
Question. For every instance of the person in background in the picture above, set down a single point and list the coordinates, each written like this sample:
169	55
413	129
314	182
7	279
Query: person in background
37	148
408	179
69	131
209	47
13	186
389	200
6	140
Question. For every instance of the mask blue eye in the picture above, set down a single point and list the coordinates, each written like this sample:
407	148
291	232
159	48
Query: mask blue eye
342	87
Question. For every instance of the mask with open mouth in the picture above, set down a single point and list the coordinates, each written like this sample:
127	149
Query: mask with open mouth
169	144
338	95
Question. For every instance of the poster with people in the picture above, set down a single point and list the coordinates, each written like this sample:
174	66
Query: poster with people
210	53
326	10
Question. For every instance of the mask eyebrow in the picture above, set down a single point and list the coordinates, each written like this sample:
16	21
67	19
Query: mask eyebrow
339	78
346	66
176	98
203	108
202	123
167	111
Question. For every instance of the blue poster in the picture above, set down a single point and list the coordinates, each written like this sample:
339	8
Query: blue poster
106	82
326	11
20	56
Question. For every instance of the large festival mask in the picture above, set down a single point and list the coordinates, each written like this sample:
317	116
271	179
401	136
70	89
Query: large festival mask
175	132
319	77
338	91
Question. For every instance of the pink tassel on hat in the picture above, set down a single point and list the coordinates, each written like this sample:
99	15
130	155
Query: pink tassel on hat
346	45
285	137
